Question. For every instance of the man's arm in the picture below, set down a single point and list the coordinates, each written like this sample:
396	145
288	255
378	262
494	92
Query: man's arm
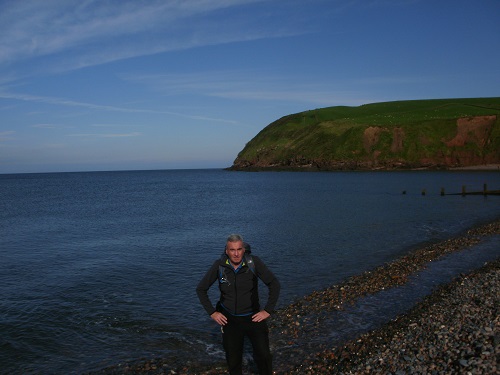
271	281
204	285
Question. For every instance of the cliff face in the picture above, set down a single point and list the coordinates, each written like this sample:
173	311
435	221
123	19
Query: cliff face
431	136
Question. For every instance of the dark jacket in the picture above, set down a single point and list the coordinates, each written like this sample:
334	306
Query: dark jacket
239	293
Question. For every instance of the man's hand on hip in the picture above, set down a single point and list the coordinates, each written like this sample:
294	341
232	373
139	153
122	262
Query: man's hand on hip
219	318
260	316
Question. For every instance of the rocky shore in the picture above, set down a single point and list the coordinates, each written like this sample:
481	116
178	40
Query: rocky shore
454	330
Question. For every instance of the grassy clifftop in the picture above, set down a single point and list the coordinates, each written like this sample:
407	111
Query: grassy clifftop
442	133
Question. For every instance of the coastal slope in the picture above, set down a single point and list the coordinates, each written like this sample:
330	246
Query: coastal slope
416	134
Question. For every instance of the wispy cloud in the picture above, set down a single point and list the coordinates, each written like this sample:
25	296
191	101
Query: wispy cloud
105	125
393	80
95	32
4	136
71	103
86	135
247	85
44	126
109	135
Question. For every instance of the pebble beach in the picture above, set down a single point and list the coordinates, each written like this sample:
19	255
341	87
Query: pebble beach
454	330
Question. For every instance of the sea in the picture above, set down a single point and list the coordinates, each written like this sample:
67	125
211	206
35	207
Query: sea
100	268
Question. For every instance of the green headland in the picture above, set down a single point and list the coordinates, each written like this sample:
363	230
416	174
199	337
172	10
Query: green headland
415	134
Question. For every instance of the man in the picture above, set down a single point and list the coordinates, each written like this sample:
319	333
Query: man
238	311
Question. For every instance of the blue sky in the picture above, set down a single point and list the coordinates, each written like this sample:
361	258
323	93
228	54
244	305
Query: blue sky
123	85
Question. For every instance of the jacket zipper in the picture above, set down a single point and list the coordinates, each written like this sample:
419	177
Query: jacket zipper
235	293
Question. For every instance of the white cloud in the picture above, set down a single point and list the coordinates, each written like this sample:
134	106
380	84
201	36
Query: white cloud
109	135
71	103
44	126
392	80
248	86
96	32
4	136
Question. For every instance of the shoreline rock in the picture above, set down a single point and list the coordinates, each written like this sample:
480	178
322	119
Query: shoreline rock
485	167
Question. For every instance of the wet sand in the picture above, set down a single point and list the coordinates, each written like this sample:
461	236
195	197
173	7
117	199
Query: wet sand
454	330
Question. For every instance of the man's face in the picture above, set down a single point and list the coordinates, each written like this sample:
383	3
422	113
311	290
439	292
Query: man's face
235	251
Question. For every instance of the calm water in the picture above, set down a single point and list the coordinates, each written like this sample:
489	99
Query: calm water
100	268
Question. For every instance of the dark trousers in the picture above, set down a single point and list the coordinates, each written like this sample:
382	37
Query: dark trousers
233	336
